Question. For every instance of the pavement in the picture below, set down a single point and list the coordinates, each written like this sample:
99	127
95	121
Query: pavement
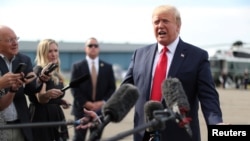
234	104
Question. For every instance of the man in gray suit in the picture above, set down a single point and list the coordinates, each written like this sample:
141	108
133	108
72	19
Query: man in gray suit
186	62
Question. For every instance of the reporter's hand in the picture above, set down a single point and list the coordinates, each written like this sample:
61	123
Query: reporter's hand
65	104
88	118
43	77
16	85
54	93
30	77
8	79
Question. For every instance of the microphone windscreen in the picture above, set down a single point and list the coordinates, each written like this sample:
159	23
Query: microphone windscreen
120	103
76	82
149	108
174	93
176	99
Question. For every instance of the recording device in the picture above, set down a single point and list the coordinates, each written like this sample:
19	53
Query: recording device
117	107
76	82
176	99
21	67
30	76
51	68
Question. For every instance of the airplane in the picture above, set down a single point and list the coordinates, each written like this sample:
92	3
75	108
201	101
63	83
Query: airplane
234	62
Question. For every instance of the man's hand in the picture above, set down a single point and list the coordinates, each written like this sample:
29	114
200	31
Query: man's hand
8	79
88	120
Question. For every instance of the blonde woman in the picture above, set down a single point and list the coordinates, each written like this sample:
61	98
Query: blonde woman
45	105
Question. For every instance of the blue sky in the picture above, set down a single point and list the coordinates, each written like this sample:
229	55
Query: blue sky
204	23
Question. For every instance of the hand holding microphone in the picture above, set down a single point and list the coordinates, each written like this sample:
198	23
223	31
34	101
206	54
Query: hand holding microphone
90	120
117	107
45	73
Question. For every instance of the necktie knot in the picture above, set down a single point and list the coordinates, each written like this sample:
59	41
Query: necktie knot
164	49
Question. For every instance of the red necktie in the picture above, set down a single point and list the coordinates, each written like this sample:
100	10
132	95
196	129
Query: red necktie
160	75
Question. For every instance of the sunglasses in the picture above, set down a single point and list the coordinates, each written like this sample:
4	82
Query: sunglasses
93	45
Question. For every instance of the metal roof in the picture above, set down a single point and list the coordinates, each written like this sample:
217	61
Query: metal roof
78	46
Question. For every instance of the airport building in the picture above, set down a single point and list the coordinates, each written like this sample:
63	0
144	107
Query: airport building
118	54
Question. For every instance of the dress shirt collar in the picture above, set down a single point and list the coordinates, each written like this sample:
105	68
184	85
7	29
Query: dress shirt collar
91	60
171	47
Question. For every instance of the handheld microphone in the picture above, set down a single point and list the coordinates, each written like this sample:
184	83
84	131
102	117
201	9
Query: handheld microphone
76	82
149	108
117	107
38	69
177	101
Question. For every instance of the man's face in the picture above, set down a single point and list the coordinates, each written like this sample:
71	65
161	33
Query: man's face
8	43
165	26
92	48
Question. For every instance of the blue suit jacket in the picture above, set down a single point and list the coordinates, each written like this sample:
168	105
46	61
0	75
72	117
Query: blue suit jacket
191	66
105	85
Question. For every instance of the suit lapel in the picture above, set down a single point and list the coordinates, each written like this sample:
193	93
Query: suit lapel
179	57
3	67
100	71
149	62
150	55
15	63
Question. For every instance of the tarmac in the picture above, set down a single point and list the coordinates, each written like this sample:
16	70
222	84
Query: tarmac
234	104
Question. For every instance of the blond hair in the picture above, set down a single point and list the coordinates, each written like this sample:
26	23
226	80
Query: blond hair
42	59
167	9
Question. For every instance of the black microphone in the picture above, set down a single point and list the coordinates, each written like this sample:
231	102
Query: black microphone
117	107
38	69
176	99
76	82
149	108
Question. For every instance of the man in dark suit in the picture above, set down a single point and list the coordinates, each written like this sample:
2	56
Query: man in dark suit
186	62
92	93
16	111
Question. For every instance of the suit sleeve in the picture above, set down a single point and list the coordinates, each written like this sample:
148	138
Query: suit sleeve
208	95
